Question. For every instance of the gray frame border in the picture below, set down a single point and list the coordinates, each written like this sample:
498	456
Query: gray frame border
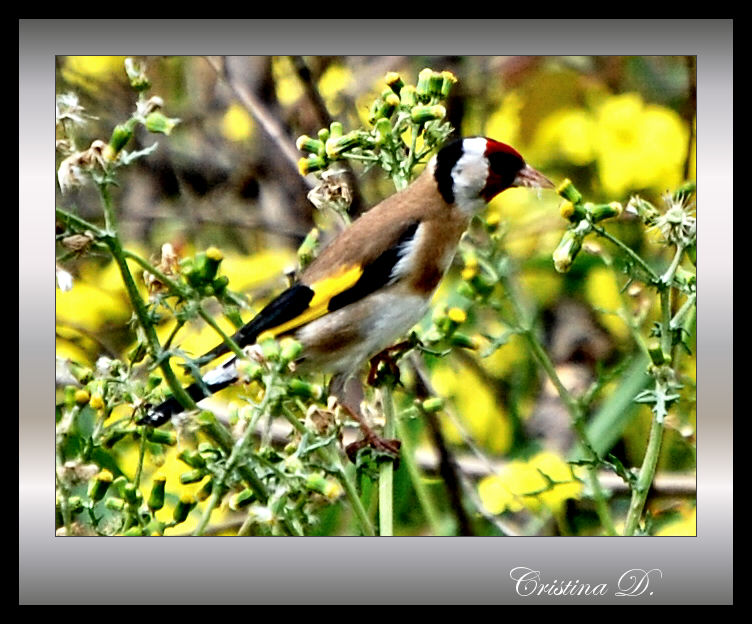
349	570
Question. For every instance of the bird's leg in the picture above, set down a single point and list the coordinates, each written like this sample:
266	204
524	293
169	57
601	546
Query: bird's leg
388	358
349	394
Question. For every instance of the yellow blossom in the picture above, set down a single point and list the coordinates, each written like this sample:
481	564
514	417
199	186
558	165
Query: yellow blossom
522	484
237	124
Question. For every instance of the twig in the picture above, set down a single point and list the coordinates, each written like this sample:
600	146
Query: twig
256	108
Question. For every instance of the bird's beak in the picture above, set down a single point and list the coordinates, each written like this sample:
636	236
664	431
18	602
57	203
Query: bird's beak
530	178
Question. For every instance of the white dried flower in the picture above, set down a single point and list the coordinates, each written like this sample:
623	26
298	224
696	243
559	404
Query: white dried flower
678	224
68	108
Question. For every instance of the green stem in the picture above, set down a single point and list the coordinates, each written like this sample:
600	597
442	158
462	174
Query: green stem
219	434
225	337
627	250
141	456
175	287
78	222
238	449
655	438
386	469
351	491
408	457
113	243
645	479
573	407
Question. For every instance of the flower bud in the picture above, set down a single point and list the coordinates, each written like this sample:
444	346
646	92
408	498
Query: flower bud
432	405
132	494
192	458
655	350
161	436
336	130
251	371
408	96
424	114
183	508
391	101
192	476
567	250
311	164
395	82
160	123
300	388
307	144
448	81
335	147
98	487
466	342
290	350
205	490
316	482
75	504
457	315
120	137
423	88
572	212
157	494
382	131
82	396
269	349
599	212
568	191
96	402
242	499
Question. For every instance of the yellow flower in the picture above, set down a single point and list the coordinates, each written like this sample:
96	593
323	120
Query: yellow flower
286	83
89	71
568	133
522	484
335	80
685	526
478	408
237	124
602	291
504	123
638	145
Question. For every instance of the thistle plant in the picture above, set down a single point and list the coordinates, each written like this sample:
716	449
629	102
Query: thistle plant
677	229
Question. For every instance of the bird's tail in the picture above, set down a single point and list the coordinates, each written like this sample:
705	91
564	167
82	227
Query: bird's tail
283	309
213	381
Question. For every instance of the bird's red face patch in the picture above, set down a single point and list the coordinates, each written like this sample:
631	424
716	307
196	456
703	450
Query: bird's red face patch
504	163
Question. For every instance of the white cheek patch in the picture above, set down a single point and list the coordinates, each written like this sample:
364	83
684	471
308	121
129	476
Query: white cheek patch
469	175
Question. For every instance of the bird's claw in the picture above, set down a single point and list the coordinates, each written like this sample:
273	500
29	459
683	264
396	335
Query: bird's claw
384	446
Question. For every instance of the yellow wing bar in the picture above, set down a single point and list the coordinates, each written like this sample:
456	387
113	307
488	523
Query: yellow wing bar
323	291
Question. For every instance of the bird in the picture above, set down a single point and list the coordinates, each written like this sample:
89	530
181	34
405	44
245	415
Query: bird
374	281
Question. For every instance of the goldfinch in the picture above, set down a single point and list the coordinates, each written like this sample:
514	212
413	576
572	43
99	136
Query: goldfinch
374	281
